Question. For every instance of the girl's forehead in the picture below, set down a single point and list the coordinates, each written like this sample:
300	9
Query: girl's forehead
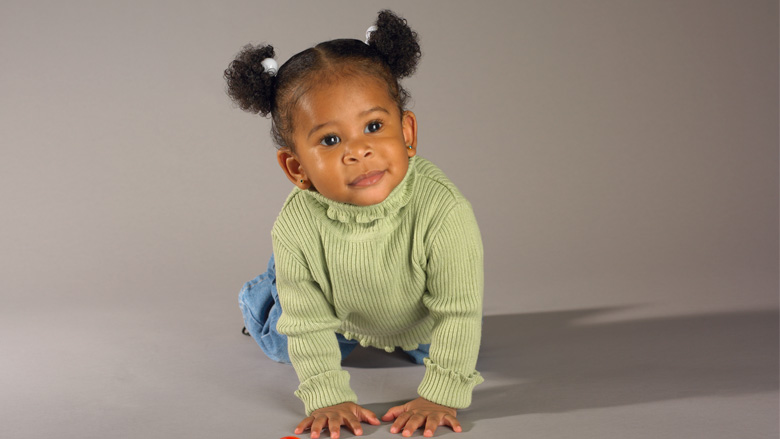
345	92
345	80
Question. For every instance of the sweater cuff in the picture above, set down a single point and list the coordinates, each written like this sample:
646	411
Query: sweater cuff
326	389
447	387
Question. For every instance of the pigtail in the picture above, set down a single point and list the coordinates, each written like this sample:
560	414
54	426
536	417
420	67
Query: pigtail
397	43
249	85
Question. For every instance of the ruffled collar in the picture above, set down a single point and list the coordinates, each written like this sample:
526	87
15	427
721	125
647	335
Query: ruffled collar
350	213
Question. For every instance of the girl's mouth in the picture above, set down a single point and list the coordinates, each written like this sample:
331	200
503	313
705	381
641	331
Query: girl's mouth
368	179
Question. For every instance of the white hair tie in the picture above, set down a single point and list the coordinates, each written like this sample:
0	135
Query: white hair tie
270	66
369	31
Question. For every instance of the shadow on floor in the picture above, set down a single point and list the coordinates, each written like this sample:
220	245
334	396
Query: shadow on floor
371	358
558	362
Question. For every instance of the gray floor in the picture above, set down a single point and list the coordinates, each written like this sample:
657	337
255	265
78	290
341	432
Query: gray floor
173	371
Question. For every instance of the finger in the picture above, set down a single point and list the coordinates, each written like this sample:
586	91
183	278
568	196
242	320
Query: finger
334	425
368	416
354	424
413	424
306	423
432	424
317	426
452	422
400	421
393	413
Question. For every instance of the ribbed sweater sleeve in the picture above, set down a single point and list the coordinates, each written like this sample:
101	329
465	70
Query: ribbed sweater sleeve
454	299
309	322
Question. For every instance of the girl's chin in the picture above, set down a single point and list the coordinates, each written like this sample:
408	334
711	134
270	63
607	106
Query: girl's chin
368	196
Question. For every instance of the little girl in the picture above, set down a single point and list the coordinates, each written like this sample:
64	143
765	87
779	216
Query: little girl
374	244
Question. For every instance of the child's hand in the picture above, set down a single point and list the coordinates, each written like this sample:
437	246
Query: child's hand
333	417
414	414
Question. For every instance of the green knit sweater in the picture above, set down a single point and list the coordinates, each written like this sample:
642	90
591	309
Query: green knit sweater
403	272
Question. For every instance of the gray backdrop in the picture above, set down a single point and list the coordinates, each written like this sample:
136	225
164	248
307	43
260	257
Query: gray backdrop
621	158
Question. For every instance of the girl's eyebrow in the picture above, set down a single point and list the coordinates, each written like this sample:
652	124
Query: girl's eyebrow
362	113
371	110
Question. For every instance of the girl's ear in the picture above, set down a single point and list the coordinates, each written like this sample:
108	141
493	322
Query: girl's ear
409	127
292	168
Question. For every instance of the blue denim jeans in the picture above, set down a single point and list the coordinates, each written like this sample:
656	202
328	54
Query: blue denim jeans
259	303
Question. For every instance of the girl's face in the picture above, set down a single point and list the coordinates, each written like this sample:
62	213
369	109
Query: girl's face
350	141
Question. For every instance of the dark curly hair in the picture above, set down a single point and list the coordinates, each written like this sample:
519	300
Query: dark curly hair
392	53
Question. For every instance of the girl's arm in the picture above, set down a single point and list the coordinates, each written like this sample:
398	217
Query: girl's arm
454	299
455	289
309	322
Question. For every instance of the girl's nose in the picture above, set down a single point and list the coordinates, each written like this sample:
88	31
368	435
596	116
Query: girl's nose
357	153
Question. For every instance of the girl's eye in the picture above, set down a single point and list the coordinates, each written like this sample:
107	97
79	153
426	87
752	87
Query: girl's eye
330	140
373	127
